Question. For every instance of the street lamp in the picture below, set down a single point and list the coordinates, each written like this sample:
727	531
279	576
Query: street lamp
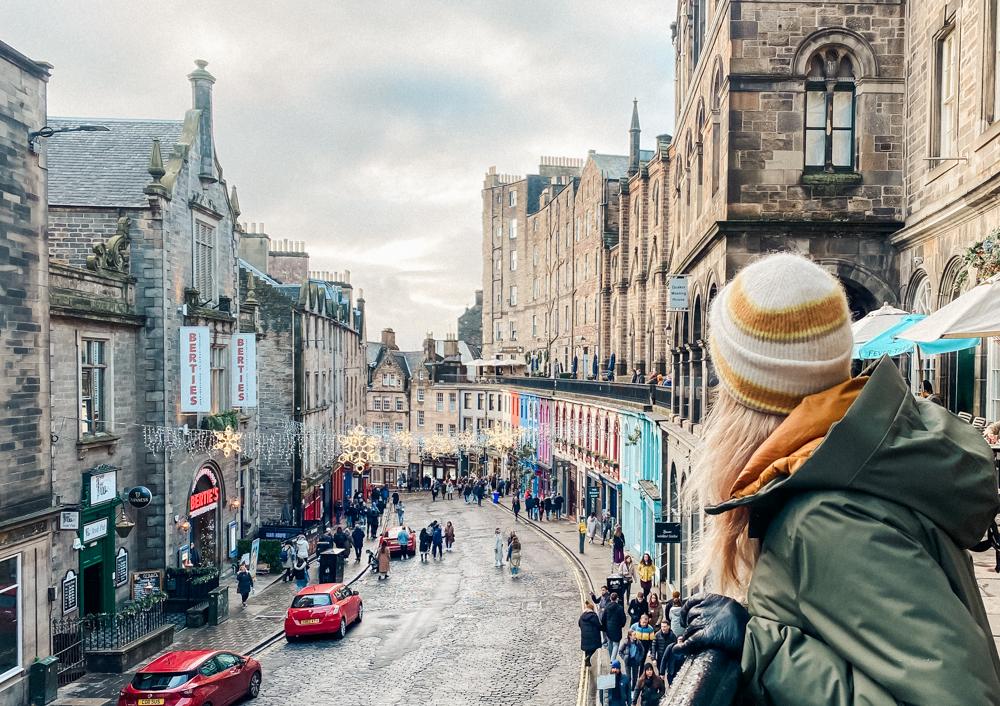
50	131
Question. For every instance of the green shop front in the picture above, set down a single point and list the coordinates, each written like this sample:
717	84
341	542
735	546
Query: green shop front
99	503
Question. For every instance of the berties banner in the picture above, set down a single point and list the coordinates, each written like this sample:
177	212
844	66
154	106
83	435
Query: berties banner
196	369
243	369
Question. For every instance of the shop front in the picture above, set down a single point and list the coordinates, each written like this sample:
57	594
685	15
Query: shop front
98	501
204	503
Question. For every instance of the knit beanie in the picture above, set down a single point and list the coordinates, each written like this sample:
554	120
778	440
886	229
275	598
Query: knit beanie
779	331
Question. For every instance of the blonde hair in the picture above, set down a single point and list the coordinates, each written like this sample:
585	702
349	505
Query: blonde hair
724	555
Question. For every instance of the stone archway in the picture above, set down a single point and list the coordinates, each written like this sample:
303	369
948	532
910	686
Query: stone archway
866	290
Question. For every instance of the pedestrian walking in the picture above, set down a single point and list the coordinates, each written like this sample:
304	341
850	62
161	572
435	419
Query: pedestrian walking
434	491
618	546
613	621
637	607
620	693
643	633
400	509
600	603
302	547
633	655
373	517
812	474
654	609
449	536
403	539
606	523
424	544
626	570
498	548
515	506
590	632
449	491
299	572
675	613
646	571
547	507
593	525
244	583
395	498
650	688
437	541
287	561
358	540
557	505
514	554
663	639
383	561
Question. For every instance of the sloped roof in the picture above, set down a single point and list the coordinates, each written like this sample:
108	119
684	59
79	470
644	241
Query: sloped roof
105	168
258	274
615	166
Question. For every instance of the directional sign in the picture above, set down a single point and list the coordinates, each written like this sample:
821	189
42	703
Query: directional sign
667	532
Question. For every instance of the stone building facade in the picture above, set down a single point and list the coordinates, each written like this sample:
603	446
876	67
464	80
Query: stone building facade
387	410
150	193
27	513
470	323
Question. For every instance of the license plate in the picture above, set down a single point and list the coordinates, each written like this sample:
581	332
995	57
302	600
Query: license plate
311	621
150	702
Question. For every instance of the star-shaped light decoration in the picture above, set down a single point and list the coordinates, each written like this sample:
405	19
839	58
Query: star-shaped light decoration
358	448
403	440
227	441
469	441
439	445
501	440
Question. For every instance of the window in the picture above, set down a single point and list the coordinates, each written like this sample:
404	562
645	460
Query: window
492	401
377	404
204	260
944	116
497	262
513	198
399	404
534	325
830	113
467	400
534	256
10	616
513	329
220	385
513	230
386	403
439	428
385	379
499	332
513	295
513	260
439	403
566	318
420	418
452	401
479	400
93	387
399	427
698	12
535	289
451	430
991	77
420	395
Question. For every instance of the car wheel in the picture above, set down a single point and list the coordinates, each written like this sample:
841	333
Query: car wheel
289	638
342	630
361	611
254	690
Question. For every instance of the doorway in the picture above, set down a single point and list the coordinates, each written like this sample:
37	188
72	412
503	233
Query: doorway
93	593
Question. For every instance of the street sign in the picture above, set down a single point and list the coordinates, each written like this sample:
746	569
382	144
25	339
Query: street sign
139	497
677	299
667	532
594	492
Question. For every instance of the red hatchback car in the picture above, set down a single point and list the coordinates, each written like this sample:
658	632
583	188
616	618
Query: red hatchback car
394	541
323	609
193	678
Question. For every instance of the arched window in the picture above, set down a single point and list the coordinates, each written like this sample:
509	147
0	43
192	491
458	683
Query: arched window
829	142
716	128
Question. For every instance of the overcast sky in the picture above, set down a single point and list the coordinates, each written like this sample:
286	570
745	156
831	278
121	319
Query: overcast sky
365	129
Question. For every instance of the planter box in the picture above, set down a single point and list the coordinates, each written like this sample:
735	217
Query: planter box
120	660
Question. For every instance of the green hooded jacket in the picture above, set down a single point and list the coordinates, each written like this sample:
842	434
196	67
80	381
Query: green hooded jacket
864	592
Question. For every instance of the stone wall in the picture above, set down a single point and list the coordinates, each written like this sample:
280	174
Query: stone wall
74	231
288	267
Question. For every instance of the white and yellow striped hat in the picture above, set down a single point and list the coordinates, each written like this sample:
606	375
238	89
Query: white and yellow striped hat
779	331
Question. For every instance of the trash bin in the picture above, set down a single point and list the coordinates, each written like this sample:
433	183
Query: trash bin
616	584
218	605
496	497
331	565
43	681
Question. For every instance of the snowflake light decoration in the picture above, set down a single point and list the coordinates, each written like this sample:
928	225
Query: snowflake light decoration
403	440
227	441
439	445
358	448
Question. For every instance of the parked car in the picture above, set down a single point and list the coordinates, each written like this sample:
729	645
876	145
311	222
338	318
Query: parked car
193	678
323	609
394	542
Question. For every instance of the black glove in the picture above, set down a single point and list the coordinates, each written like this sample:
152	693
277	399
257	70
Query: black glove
713	622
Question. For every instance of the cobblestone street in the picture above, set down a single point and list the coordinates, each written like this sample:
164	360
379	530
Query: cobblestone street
457	631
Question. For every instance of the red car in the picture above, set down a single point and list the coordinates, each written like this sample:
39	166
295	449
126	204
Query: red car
193	678
323	609
394	541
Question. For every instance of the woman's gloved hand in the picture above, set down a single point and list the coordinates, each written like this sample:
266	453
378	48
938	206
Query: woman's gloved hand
713	622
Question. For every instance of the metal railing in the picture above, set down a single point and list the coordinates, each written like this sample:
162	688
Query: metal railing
641	394
710	678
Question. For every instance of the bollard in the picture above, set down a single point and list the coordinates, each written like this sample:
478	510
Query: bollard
583	533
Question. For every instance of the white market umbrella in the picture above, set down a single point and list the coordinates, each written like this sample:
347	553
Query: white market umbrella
975	314
875	323
477	363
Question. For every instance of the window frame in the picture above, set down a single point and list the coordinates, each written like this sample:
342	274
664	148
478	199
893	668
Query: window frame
18	586
90	429
829	89
198	241
219	376
946	36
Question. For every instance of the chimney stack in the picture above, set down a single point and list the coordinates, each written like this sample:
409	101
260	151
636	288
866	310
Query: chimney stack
201	91
389	339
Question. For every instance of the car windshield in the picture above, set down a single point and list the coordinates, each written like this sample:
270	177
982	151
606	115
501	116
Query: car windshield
157	681
313	600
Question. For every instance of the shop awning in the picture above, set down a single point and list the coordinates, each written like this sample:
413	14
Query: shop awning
894	341
650	490
975	313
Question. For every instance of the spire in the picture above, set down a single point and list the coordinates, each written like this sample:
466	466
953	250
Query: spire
156	171
633	139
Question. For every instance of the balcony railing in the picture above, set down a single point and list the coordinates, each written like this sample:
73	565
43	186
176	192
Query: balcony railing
641	394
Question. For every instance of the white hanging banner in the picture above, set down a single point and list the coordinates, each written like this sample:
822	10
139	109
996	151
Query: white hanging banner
678	293
196	369
243	369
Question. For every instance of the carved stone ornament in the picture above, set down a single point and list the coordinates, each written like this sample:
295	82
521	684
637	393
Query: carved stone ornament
113	255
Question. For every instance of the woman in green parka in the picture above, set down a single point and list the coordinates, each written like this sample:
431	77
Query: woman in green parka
841	512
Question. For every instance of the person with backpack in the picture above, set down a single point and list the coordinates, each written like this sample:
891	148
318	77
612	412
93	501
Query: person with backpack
299	572
400	510
613	621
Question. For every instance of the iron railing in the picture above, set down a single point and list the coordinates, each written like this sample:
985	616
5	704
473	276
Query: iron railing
106	631
710	678
67	647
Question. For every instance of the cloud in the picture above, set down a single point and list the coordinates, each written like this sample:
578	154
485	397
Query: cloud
365	129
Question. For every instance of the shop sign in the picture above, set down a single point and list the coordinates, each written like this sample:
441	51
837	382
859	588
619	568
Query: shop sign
678	293
92	531
204	501
139	497
146	583
196	371
69	520
70	595
103	487
667	532
243	369
121	567
594	492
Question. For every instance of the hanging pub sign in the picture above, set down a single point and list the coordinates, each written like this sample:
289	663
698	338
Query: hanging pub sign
121	567
243	369
196	369
69	520
103	485
667	532
677	298
139	497
70	595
